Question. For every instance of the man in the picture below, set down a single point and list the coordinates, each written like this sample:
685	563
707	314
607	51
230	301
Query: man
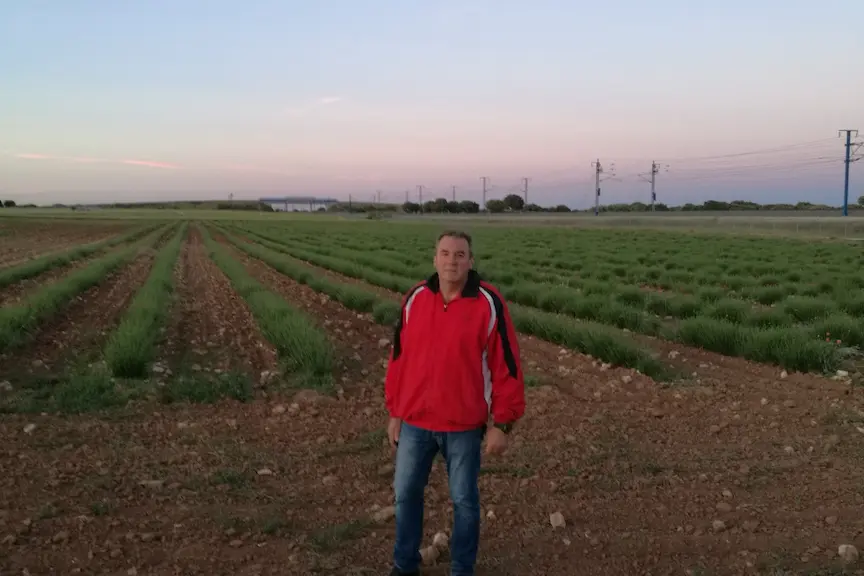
454	363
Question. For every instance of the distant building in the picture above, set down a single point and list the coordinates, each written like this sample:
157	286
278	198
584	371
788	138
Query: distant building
292	203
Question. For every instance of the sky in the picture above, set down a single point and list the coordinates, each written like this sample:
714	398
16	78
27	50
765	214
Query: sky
157	100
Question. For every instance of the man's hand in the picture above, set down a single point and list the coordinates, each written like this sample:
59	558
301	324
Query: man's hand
496	441
393	428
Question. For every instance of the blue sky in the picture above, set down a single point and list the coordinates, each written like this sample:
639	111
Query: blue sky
191	99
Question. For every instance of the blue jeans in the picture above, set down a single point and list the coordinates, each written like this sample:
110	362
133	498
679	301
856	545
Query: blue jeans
414	454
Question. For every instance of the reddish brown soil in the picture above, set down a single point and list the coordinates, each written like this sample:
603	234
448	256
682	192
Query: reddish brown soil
83	325
211	327
24	242
640	472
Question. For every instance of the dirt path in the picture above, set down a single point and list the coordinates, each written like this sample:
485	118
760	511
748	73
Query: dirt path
211	327
82	326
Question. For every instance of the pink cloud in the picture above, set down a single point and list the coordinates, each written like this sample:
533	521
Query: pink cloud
91	160
149	164
33	156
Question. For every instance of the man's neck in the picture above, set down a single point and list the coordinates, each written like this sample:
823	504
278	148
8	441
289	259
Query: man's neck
451	291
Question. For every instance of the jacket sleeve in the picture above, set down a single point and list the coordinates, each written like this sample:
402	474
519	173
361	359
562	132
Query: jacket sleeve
392	377
508	384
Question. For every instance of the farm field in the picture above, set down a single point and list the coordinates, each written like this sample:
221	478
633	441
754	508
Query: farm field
205	397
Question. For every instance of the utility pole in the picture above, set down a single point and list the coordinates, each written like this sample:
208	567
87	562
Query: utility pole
525	189
406	196
848	162
653	182
598	169
483	206
420	196
655	169
454	193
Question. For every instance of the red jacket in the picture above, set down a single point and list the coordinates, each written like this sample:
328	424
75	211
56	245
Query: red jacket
451	365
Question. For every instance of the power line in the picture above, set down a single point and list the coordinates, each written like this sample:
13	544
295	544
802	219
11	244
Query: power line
751	172
762	166
751	152
696	174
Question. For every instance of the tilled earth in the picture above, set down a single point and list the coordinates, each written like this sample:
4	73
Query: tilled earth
15	293
25	242
78	332
211	328
740	469
361	345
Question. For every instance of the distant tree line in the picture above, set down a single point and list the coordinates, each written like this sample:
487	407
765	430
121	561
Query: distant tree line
718	206
7	204
515	203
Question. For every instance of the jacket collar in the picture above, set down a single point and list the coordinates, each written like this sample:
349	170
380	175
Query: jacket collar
471	289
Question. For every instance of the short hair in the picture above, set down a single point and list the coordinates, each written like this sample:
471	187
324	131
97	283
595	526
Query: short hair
459	234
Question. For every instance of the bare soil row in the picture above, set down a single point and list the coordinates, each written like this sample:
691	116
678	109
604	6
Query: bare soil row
35	241
211	328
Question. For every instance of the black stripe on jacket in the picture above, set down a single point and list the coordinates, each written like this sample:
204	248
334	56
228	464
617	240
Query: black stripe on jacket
397	333
509	357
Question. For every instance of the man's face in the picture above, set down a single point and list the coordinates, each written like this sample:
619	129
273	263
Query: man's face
453	259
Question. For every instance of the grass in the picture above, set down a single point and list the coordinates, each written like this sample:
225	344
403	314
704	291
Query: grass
37	266
596	340
791	348
130	347
206	389
16	322
303	348
236	479
328	539
767	300
88	389
85	389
